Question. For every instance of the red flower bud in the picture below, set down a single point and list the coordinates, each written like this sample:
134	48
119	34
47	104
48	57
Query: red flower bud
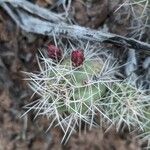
54	52
77	57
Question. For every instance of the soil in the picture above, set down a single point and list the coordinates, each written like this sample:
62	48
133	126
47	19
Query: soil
18	51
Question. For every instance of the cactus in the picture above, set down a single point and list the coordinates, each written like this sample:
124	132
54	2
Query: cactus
145	134
127	106
129	109
69	87
77	86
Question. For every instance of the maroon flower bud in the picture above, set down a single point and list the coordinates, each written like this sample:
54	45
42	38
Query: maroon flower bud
54	52
77	57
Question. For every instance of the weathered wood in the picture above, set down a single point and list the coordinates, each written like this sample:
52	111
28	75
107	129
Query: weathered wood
32	18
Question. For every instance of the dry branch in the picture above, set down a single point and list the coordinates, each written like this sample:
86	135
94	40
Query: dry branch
35	19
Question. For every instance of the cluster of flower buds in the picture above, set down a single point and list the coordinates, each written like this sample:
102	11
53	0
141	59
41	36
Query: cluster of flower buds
54	52
77	56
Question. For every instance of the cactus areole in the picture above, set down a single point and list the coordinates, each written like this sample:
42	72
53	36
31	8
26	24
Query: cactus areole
54	52
77	57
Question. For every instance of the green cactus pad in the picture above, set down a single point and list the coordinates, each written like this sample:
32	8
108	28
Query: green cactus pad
85	90
84	97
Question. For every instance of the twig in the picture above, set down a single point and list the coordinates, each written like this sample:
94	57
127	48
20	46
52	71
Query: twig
34	10
32	18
